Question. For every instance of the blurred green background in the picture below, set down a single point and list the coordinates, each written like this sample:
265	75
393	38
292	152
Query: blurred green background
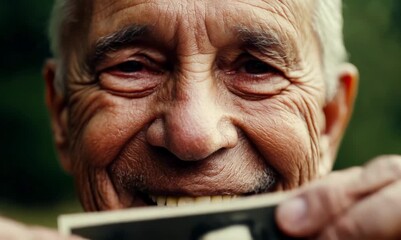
33	188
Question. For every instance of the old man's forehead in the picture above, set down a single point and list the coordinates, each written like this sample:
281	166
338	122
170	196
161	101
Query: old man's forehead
192	4
288	9
207	20
77	14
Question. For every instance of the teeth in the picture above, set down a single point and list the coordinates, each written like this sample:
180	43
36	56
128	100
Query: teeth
227	198
161	201
204	199
182	201
216	199
185	201
171	201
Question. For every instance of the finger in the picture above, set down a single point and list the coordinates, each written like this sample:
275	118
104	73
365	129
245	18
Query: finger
376	217
316	204
12	230
378	173
40	233
321	202
47	234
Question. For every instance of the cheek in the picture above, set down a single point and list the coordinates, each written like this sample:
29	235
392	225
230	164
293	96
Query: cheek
108	128
284	132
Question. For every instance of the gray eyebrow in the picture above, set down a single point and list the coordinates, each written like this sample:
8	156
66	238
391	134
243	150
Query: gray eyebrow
267	42
280	49
116	41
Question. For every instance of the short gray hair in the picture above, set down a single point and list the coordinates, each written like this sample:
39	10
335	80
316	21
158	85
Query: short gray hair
62	16
327	23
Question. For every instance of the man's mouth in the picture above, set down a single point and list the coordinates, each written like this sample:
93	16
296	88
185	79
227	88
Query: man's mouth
176	196
171	201
175	188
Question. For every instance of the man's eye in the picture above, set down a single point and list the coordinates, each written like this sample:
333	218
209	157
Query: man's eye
256	67
129	67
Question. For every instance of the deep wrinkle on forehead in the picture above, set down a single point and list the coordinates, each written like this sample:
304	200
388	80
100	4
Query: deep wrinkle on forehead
268	43
273	36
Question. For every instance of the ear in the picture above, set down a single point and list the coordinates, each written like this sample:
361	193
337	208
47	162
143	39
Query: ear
338	112
56	104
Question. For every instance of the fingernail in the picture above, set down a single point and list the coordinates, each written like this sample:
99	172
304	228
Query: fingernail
293	212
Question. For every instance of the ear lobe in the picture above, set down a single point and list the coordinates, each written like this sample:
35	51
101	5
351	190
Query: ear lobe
56	106
339	110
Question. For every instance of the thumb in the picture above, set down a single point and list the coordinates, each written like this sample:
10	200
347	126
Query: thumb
321	202
316	206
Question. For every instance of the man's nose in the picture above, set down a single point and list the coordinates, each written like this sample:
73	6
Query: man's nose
194	125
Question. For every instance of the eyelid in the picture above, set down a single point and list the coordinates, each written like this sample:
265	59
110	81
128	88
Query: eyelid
259	88
124	55
279	64
244	57
135	84
254	86
147	64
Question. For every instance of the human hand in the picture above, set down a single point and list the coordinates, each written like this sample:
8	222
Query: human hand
10	230
357	203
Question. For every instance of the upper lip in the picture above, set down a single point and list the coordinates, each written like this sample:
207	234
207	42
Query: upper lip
147	197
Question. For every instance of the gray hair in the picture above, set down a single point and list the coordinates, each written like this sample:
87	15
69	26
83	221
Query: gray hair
327	23
62	15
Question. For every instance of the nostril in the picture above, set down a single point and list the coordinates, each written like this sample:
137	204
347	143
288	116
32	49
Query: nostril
168	157
189	152
186	143
155	134
229	135
195	146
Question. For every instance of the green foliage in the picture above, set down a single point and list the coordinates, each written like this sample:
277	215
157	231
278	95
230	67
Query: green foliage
371	38
396	21
29	172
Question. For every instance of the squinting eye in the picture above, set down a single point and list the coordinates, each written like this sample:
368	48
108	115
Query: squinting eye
130	67
254	79
256	67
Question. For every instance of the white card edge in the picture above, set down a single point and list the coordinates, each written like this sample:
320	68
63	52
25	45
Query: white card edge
69	221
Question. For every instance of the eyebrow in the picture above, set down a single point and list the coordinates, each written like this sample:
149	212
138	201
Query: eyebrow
267	42
270	43
116	41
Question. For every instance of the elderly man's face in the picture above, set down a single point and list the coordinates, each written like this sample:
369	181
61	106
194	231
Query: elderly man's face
184	99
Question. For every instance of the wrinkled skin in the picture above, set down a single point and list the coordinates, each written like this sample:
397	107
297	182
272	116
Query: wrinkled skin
215	98
193	106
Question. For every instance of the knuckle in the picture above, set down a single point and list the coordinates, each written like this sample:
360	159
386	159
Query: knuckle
388	164
394	163
328	234
329	199
333	195
390	198
348	228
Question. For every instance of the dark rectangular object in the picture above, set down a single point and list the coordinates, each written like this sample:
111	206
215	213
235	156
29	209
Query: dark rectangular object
186	223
